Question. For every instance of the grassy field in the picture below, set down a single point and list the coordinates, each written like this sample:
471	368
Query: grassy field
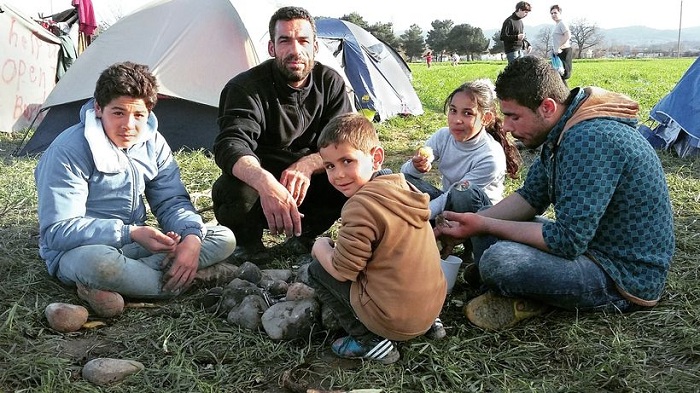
185	349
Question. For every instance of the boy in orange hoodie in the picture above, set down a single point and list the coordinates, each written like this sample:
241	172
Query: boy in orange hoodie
382	276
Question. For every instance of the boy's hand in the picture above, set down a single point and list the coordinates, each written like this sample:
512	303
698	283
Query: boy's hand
154	240
185	261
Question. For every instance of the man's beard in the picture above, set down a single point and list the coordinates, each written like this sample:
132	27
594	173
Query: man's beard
293	76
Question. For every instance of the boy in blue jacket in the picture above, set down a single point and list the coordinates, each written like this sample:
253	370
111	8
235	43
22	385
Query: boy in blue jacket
93	184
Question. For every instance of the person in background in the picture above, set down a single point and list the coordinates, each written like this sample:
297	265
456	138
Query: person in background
610	245
455	59
270	117
473	151
429	58
513	31
382	276
93	183
561	41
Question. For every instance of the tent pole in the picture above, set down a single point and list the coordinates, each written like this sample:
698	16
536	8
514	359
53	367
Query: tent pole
680	24
31	127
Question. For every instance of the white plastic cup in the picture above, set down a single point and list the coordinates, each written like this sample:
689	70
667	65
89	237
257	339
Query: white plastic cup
450	267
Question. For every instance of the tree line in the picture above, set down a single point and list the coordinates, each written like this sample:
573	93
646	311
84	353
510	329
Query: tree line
468	41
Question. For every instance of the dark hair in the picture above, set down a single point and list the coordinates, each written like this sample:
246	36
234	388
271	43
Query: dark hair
485	97
352	128
126	79
555	7
290	13
523	5
528	81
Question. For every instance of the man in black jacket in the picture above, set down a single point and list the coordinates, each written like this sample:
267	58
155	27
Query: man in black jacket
269	118
513	33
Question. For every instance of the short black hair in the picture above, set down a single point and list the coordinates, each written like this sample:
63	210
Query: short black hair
290	13
127	79
529	80
523	5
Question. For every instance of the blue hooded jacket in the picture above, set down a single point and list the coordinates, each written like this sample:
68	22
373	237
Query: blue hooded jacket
90	191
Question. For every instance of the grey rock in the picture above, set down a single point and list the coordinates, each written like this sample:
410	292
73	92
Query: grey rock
250	272
275	287
277	274
303	274
248	313
299	290
107	371
290	320
236	291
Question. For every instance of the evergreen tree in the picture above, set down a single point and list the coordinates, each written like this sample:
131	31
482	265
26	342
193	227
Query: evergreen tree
412	42
498	44
465	39
437	37
385	32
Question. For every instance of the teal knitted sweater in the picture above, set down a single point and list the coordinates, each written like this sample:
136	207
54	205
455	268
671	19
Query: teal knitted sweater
609	194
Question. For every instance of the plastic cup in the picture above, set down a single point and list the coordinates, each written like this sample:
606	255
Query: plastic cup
450	267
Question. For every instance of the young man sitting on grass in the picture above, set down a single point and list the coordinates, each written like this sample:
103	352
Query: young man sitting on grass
93	184
382	276
610	245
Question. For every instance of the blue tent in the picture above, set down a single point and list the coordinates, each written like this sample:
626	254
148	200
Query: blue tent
678	116
380	78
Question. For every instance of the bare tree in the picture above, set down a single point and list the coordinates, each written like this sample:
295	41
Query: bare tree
585	35
543	41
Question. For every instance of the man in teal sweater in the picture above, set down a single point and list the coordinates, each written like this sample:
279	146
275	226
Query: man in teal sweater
610	246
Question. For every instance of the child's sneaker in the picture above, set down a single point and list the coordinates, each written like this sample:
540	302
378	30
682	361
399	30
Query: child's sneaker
493	312
437	330
380	349
104	303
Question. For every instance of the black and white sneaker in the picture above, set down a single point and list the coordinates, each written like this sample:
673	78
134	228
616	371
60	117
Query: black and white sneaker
437	330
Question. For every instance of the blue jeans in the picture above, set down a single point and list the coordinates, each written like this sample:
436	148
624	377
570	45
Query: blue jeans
460	200
518	270
132	270
510	56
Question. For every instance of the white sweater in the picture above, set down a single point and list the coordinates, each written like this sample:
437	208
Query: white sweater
480	161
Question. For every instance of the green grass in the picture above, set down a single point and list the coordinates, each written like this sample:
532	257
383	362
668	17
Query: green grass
185	349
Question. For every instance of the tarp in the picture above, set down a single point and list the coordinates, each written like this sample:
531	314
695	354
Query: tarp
677	115
379	76
28	58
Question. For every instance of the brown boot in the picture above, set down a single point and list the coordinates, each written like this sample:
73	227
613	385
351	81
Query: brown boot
104	303
493	312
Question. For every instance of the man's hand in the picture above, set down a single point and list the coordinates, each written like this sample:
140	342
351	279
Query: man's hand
185	261
281	211
454	228
297	178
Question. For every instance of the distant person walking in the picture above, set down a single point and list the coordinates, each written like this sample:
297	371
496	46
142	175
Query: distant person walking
561	41
455	59
428	58
513	33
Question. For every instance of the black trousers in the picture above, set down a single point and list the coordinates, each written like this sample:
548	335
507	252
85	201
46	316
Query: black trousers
336	295
237	205
566	56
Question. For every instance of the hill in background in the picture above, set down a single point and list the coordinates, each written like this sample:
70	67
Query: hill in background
635	36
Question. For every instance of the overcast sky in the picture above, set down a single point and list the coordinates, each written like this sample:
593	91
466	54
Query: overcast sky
486	14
